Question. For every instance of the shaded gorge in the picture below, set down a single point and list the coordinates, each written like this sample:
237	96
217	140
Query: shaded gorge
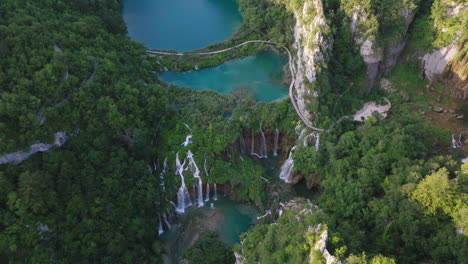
263	74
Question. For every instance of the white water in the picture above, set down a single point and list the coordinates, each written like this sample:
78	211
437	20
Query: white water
207	197
215	197
268	212
187	126
188	140
265	179
17	157
196	175
275	146
160	228
161	176
287	167
455	143
182	194
465	160
167	222
263	145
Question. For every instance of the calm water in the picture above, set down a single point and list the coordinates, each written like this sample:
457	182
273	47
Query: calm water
181	25
262	73
229	219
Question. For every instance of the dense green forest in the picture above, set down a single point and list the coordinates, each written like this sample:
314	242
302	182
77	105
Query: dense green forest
389	192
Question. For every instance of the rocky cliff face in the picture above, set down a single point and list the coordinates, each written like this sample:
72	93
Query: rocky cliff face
442	64
311	45
310	49
379	59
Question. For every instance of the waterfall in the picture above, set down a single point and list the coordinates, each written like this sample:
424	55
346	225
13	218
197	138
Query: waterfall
275	146
455	143
242	144
188	140
185	124
173	204
317	142
296	129
204	167
161	176
160	228
167	222
215	197
196	174
287	167
182	193
252	152
207	197
267	212
263	146
265	179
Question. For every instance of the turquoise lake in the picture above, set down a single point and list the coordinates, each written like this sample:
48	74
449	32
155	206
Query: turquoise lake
262	74
181	25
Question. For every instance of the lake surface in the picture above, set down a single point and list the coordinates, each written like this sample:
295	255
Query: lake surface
263	74
227	218
181	25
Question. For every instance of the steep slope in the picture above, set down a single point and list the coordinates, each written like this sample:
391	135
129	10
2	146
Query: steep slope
379	29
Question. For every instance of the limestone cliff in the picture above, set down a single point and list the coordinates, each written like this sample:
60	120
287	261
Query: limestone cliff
311	46
449	63
364	24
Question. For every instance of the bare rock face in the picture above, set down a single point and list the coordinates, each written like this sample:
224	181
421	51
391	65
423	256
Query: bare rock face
311	45
380	60
308	46
441	64
435	63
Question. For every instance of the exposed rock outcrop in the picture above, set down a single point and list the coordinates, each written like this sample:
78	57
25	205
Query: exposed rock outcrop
311	45
379	59
442	64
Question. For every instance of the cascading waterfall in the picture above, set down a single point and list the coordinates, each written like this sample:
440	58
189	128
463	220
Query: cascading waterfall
166	222
263	145
215	197
275	145
207	197
160	228
196	174
161	176
188	140
182	194
455	143
287	167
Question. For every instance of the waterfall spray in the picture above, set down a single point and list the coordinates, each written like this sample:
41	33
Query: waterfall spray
287	167
167	222
182	194
196	174
275	146
160	228
207	197
215	197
